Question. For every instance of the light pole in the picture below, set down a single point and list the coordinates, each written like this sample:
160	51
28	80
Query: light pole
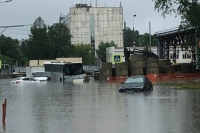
6	1
133	28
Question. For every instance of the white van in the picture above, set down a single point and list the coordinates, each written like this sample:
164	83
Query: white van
40	75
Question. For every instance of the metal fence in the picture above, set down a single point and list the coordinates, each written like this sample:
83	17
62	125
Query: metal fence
91	67
20	69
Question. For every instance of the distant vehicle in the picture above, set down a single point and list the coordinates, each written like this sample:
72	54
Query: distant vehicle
67	71
40	75
21	80
136	83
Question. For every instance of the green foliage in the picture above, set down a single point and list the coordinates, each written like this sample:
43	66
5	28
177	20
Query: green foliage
10	50
54	41
6	60
59	40
146	48
8	46
140	40
101	51
145	41
188	10
48	43
130	39
84	51
37	45
182	85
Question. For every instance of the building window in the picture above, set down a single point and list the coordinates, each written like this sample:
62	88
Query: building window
184	56
177	56
189	56
171	56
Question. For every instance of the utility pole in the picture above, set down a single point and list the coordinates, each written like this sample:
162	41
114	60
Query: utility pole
133	29
6	1
150	35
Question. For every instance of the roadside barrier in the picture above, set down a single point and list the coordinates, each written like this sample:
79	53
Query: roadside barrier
116	79
172	76
154	78
4	105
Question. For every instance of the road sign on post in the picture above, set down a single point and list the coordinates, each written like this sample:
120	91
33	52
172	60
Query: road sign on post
117	58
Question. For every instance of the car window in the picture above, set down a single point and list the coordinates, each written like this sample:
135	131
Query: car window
26	79
31	79
134	80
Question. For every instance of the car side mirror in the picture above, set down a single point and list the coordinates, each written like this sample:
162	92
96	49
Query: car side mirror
122	82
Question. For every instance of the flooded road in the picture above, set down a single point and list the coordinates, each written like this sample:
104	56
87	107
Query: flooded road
98	108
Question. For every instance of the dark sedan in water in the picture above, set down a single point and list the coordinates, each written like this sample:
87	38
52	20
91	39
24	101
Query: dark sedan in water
136	83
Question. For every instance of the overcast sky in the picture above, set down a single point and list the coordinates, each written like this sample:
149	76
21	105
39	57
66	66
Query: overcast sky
22	12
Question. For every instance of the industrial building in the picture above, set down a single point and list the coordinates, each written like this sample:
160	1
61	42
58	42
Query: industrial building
182	56
93	25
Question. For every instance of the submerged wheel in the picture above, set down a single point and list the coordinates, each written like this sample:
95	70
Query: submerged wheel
151	88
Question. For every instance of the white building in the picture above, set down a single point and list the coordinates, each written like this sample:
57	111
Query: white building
182	56
92	25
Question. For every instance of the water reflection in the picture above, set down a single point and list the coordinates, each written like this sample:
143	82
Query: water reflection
98	108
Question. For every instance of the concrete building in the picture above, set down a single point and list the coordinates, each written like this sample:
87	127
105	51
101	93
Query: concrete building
92	25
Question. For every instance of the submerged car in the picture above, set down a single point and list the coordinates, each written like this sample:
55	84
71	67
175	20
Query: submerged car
136	83
20	80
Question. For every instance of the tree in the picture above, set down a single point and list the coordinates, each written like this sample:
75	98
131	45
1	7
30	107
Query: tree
84	51
187	9
129	36
101	51
48	42
145	41
37	45
60	40
6	59
9	49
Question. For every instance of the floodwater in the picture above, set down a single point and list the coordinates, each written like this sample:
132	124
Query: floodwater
98	108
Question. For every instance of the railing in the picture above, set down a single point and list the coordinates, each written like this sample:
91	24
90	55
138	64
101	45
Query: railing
91	67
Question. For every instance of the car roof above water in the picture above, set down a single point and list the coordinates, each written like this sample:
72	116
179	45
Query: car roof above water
137	76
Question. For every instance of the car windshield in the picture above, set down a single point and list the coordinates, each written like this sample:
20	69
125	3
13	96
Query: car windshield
134	80
19	78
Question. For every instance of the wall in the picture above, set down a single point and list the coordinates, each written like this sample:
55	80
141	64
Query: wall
108	25
31	69
41	62
37	62
74	60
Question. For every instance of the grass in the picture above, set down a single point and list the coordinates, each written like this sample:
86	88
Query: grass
182	85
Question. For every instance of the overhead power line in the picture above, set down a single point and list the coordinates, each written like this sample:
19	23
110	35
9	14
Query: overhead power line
3	30
8	26
18	29
16	33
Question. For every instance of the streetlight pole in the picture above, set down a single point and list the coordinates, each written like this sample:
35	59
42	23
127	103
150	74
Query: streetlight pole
150	35
133	29
6	1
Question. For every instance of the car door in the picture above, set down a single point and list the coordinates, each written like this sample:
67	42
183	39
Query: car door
32	80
